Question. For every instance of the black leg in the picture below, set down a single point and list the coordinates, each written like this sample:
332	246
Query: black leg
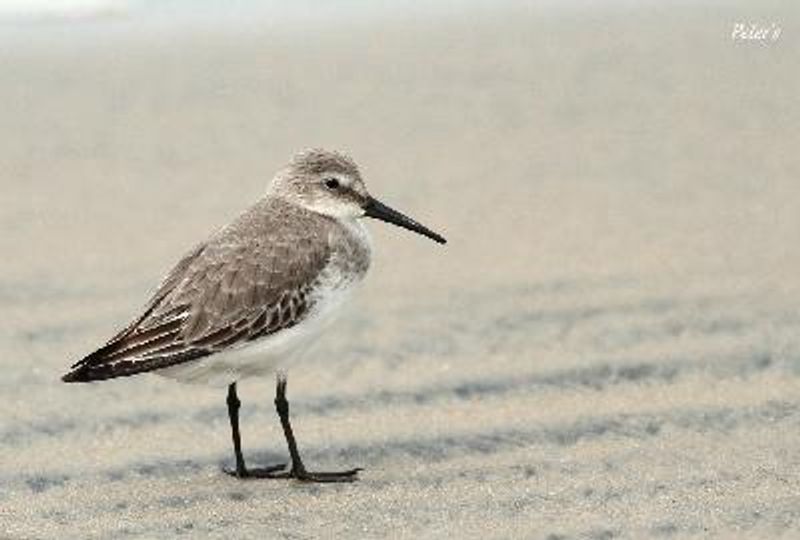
241	470
233	416
298	470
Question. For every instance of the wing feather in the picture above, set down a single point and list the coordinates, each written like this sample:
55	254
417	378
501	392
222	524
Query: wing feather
244	284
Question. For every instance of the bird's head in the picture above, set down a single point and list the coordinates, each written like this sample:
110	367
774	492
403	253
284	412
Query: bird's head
330	183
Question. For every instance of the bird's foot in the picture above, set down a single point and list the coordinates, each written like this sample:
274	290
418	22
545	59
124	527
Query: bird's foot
259	472
302	475
278	472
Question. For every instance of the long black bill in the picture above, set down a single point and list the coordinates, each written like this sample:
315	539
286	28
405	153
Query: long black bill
378	210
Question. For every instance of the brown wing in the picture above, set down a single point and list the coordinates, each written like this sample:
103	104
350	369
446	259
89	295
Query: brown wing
244	285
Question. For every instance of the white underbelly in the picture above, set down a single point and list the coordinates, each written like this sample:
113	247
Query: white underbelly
267	355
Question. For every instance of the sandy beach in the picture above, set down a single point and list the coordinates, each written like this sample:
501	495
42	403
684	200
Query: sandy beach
606	348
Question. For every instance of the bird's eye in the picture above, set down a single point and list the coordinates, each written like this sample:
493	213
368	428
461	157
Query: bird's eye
331	183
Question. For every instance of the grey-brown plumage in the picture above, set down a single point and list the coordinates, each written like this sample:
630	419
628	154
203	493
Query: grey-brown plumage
252	279
253	294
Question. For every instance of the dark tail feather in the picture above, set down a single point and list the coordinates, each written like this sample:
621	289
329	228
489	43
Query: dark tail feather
91	368
97	367
89	373
77	375
118	357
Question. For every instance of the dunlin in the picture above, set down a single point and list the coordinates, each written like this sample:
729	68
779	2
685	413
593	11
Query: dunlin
250	298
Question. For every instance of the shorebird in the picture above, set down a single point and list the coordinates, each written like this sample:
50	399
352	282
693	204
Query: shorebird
249	299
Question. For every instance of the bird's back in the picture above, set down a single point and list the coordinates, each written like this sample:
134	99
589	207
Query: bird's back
265	273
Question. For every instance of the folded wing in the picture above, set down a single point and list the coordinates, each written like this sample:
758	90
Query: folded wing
218	296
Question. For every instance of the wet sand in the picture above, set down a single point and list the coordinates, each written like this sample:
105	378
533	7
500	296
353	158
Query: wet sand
606	348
